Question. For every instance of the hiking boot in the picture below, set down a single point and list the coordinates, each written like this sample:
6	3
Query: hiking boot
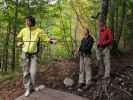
27	93
41	87
80	90
106	77
87	87
98	76
80	86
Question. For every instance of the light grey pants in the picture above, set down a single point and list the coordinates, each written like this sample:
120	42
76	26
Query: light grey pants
29	70
85	70
103	57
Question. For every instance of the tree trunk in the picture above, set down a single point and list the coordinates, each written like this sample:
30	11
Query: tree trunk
14	37
119	25
112	13
115	44
6	47
104	11
122	20
77	14
29	9
64	31
71	37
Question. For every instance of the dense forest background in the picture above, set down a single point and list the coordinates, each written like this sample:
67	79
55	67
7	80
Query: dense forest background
64	21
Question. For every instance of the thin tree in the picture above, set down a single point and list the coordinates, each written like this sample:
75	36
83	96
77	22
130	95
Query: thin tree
14	36
104	11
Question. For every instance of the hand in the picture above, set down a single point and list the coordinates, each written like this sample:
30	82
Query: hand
19	44
52	41
76	50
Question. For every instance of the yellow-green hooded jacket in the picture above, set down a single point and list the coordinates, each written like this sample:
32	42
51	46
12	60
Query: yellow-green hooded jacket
30	38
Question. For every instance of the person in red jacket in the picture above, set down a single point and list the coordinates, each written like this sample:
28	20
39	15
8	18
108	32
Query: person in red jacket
103	50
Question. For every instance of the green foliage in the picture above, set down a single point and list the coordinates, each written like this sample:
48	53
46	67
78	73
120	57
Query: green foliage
8	76
62	20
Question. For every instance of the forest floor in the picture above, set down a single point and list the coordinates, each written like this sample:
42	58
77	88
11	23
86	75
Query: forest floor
52	75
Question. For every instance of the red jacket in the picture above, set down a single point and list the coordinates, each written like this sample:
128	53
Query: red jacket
105	37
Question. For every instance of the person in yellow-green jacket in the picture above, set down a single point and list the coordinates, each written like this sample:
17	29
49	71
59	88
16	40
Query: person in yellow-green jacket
30	36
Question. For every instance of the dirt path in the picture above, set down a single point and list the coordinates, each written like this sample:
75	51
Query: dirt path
52	75
51	94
